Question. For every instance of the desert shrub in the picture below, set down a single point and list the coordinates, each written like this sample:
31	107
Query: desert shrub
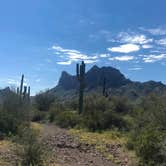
72	104
67	119
43	101
38	116
148	147
96	102
30	149
113	120
55	109
13	113
120	105
148	132
99	114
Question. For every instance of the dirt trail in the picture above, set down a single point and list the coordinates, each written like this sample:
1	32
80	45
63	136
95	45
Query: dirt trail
64	150
68	151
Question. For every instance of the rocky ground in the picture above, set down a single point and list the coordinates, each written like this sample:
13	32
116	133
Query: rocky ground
7	153
66	149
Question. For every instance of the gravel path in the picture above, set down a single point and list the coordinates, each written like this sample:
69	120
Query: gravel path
68	151
64	150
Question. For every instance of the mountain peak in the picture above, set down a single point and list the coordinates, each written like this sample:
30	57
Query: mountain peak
94	78
95	67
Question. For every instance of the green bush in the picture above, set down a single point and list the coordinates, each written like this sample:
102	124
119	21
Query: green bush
55	109
148	147
43	101
99	114
148	132
120	105
67	119
13	113
38	116
30	150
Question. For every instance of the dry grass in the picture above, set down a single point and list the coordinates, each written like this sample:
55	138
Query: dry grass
101	142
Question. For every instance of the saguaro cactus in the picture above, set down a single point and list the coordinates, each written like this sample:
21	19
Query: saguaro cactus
18	91
25	93
80	69
104	86
21	86
105	90
29	92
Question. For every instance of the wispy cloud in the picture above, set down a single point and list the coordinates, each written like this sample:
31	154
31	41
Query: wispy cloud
147	46
122	58
104	55
133	38
155	31
126	48
135	68
13	82
153	58
161	41
64	63
69	56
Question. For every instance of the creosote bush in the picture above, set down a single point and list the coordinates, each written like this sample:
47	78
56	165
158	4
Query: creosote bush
13	113
43	101
148	132
30	150
98	114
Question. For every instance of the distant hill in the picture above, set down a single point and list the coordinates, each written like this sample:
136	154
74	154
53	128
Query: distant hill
4	93
116	84
94	78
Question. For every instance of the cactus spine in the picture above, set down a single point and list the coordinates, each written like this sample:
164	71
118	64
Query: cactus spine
80	69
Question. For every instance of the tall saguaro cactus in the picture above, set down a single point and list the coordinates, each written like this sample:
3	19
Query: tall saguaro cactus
29	92
21	86
80	69
18	91
104	86
105	90
25	93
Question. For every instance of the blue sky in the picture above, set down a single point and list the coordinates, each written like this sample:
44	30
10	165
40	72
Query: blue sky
41	38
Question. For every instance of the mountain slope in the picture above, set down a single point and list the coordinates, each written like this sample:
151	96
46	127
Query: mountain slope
94	78
116	83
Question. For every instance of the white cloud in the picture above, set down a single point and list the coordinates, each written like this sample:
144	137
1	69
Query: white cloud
13	82
161	41
133	38
147	46
126	48
104	55
122	58
90	61
60	49
64	63
153	58
70	55
155	31
135	68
